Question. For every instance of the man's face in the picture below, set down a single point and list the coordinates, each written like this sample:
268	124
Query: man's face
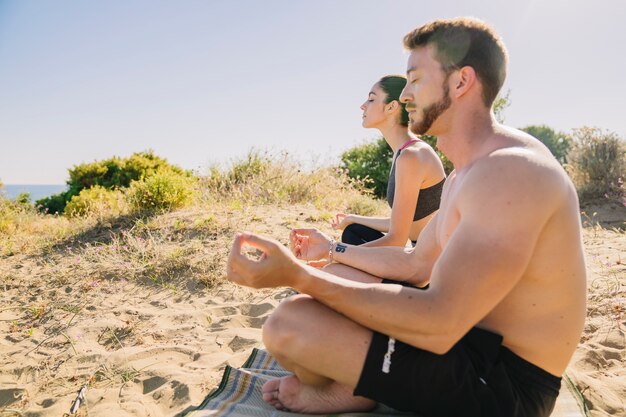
427	95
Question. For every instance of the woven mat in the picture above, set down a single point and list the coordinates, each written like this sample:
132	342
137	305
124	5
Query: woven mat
239	394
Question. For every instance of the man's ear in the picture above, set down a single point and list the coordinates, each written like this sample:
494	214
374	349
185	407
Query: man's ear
464	80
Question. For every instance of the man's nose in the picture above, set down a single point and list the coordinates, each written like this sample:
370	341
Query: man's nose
404	95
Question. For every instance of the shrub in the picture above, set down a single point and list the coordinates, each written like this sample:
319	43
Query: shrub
261	178
371	162
163	191
53	204
112	173
559	143
23	199
500	104
597	162
116	172
95	201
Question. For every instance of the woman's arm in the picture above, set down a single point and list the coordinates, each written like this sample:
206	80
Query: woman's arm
377	223
411	171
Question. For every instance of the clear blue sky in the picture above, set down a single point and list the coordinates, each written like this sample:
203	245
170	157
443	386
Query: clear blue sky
204	81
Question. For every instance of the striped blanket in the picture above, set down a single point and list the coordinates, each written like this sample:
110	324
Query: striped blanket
239	394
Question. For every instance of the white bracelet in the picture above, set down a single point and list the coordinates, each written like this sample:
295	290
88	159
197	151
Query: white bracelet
330	251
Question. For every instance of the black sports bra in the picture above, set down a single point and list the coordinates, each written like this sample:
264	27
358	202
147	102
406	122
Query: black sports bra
428	200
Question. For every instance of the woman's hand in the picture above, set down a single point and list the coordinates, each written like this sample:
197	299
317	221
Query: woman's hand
341	221
309	244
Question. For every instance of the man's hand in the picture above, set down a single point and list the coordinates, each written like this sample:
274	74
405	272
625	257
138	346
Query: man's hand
275	268
309	244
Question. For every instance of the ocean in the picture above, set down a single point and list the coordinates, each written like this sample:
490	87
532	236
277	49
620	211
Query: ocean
36	191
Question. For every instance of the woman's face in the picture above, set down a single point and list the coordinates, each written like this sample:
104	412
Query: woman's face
374	107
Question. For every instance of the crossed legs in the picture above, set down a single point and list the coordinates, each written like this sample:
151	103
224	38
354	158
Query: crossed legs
325	351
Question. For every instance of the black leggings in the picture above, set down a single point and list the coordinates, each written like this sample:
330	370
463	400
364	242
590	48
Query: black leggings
357	234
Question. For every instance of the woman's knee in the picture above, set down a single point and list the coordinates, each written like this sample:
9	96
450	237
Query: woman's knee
351	234
358	234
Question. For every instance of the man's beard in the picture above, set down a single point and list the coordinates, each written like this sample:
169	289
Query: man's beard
432	112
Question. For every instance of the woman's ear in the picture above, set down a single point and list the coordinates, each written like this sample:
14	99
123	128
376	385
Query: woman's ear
392	106
464	80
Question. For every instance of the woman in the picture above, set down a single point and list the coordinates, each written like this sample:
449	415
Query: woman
415	181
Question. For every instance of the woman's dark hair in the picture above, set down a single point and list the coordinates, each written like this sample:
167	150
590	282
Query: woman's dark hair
393	85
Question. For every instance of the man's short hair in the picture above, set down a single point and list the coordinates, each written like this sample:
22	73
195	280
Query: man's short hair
463	42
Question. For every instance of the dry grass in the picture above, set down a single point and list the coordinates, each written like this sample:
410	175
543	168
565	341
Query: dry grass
59	282
167	249
56	272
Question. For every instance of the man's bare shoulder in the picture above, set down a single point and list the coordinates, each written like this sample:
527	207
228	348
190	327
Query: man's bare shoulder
516	176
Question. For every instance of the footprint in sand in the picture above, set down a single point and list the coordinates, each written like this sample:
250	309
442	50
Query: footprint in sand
224	311
240	343
10	396
152	383
256	310
247	315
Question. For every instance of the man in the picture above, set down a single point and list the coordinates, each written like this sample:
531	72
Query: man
505	307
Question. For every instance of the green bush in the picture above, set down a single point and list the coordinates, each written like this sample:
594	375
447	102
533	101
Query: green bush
371	162
23	199
596	163
500	104
162	191
53	204
559	143
113	173
96	201
117	172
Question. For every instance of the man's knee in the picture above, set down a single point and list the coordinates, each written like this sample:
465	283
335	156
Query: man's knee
283	329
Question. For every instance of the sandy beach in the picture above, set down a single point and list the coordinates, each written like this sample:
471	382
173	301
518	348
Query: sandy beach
75	315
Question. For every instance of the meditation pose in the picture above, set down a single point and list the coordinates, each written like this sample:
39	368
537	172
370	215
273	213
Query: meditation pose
496	328
415	181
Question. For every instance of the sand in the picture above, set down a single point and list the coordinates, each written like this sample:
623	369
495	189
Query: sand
155	350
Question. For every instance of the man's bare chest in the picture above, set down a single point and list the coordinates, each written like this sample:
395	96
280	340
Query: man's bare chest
449	216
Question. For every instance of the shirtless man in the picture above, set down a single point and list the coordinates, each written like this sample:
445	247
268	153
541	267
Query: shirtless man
504	311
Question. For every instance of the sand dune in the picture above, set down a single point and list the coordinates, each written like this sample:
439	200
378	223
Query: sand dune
150	350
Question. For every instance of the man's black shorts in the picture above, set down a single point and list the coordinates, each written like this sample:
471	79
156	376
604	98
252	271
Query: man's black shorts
477	377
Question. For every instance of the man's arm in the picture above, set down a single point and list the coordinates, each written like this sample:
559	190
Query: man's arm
396	263
502	208
412	265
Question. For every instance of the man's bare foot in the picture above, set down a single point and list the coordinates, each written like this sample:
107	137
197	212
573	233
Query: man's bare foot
288	393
